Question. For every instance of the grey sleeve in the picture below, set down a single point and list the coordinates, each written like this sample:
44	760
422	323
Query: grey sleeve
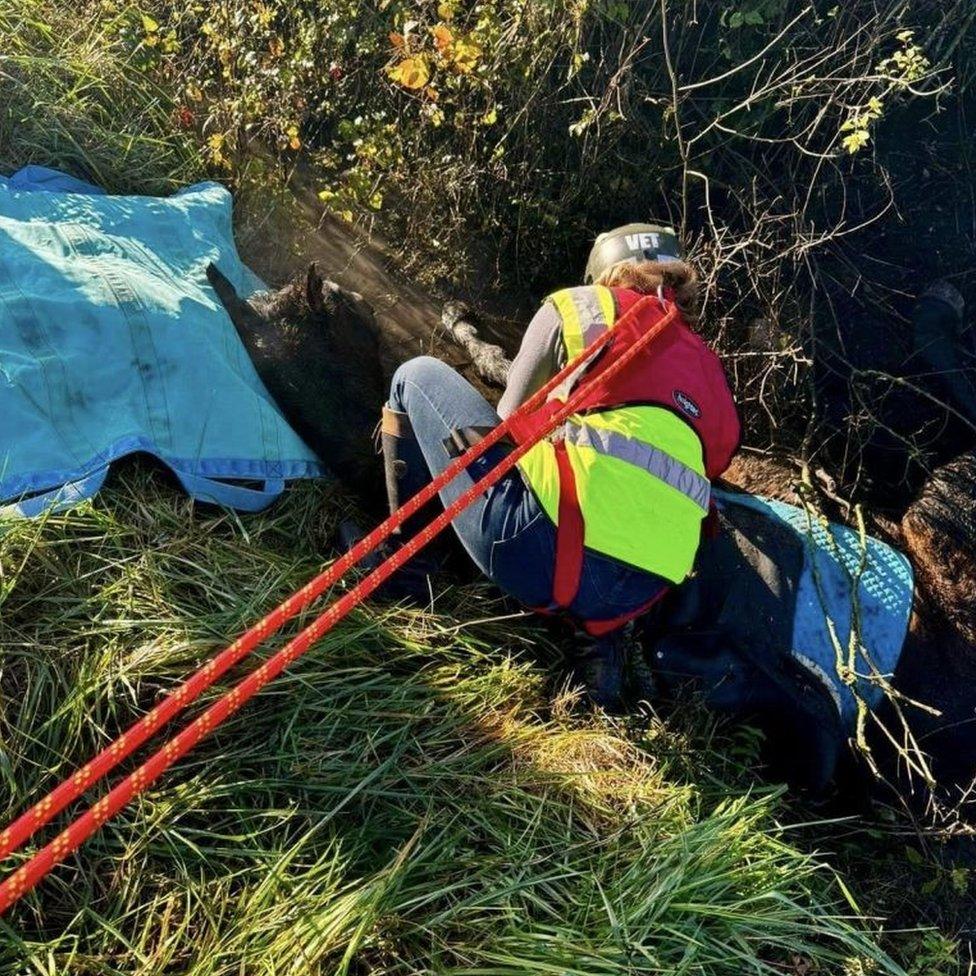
541	355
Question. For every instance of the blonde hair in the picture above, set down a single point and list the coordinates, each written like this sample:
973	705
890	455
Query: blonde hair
647	277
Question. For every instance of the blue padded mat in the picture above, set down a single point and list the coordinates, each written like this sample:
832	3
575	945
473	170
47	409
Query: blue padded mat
844	586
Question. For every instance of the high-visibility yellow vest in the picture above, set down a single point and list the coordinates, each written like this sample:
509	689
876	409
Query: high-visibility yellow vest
639	469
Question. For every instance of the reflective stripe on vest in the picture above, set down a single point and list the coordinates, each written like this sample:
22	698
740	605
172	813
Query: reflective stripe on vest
644	456
629	511
585	313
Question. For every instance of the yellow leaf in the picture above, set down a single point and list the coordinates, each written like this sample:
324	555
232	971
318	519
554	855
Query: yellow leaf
445	11
193	92
856	141
443	38
295	143
411	73
149	25
216	144
490	117
466	54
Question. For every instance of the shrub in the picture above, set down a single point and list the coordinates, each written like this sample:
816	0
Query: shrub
752	125
769	131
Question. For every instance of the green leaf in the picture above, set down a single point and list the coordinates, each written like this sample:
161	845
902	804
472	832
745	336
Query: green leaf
849	897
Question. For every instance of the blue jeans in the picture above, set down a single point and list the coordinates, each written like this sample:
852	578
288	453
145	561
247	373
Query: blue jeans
506	532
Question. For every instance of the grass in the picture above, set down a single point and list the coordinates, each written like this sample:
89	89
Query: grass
406	799
415	796
60	84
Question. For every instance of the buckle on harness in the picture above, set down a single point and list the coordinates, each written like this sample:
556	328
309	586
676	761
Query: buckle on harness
463	439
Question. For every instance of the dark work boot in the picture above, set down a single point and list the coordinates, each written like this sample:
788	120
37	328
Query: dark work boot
410	582
600	663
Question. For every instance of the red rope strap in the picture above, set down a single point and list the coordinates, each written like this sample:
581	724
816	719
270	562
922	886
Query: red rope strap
27	876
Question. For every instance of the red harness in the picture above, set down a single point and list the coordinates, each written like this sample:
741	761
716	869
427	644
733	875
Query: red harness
676	371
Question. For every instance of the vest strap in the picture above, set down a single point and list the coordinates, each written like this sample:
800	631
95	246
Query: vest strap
522	429
569	535
586	313
599	628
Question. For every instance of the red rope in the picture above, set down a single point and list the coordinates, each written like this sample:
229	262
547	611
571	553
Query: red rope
139	732
27	876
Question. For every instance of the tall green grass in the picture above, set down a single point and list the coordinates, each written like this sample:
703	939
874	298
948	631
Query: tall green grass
69	100
407	799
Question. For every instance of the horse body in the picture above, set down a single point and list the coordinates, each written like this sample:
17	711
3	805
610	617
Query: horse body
933	709
317	348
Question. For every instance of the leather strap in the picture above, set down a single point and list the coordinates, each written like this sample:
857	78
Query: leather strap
395	424
464	438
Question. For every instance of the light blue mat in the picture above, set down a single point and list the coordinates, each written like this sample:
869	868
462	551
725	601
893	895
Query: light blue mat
845	587
112	342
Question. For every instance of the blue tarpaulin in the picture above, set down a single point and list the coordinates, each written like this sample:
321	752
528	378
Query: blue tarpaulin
113	342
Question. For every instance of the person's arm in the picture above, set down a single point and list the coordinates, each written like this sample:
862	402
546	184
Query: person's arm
541	355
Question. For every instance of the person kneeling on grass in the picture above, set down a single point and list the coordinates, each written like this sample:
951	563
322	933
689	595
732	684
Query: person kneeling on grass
599	520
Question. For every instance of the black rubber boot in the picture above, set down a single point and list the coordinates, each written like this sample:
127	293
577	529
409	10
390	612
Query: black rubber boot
401	463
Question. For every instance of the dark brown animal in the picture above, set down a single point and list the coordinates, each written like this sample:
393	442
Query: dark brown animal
316	348
935	679
320	352
939	532
938	663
